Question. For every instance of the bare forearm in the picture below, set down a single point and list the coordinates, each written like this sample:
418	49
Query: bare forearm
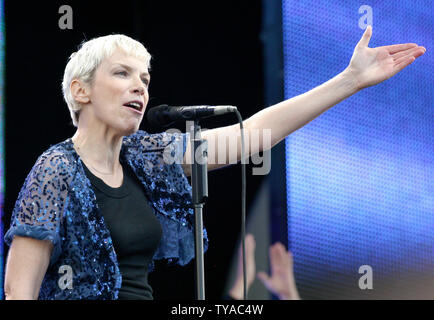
20	296
292	114
27	263
280	120
290	294
237	290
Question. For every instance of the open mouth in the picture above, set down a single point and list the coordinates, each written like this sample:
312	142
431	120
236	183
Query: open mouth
136	105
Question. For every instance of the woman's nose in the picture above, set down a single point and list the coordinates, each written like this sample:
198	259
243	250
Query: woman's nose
138	87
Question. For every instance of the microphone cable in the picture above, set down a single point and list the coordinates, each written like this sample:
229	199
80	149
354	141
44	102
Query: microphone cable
243	203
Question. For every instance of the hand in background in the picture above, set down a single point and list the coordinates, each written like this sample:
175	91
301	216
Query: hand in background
237	290
281	282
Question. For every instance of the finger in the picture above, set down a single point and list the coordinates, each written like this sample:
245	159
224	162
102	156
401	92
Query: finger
415	54
399	47
247	242
290	258
279	245
279	249
250	242
250	249
283	256
412	51
404	63
290	255
276	255
263	277
364	41
240	255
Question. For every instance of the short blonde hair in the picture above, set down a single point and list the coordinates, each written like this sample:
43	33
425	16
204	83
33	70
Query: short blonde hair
83	63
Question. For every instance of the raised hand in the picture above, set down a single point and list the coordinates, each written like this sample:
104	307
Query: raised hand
370	66
237	289
281	282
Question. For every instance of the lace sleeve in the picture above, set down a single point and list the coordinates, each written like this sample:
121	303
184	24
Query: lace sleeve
39	207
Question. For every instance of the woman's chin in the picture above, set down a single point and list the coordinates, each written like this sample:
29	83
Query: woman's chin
130	128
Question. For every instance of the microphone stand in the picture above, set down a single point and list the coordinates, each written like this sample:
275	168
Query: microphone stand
199	182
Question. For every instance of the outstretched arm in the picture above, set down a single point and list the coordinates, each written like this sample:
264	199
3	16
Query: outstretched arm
368	66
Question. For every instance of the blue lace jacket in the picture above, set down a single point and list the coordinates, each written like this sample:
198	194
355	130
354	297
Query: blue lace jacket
57	203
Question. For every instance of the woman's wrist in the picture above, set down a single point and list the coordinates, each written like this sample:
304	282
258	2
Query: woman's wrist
291	293
349	76
237	290
289	296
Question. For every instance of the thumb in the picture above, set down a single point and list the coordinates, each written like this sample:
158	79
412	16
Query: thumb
264	278
364	41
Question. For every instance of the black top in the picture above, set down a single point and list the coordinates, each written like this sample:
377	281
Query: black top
134	229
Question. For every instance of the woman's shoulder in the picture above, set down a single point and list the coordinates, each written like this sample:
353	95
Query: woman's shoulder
53	170
57	156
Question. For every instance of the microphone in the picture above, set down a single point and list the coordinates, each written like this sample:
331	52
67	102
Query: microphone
164	115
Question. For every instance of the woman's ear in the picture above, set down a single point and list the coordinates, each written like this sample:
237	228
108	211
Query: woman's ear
80	91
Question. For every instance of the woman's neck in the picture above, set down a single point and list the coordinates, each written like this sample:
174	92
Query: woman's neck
98	150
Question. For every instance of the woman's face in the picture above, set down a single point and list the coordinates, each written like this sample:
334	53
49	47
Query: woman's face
119	93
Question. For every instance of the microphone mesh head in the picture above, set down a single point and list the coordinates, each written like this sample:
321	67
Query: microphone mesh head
156	116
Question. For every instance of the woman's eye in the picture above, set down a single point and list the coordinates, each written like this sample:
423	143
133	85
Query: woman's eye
123	73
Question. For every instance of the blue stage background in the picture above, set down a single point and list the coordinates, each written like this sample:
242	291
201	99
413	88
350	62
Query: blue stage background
360	178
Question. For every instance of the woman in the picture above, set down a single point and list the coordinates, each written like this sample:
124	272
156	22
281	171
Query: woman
96	210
